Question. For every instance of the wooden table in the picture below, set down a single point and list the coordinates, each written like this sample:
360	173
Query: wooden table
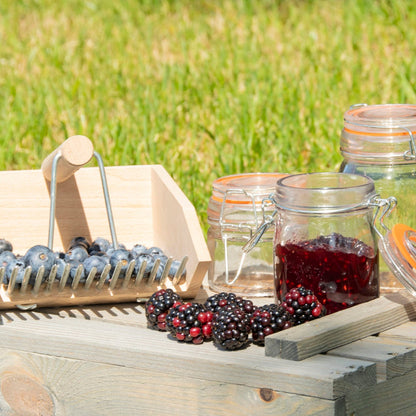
102	360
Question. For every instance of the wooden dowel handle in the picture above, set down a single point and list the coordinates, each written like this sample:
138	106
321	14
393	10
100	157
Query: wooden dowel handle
76	151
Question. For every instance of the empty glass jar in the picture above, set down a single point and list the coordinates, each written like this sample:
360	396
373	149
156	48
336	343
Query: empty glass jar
379	141
237	207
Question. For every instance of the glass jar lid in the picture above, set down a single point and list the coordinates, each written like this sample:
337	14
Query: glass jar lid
324	192
236	196
383	131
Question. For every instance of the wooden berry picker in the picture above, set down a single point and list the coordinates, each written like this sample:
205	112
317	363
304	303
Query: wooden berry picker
97	250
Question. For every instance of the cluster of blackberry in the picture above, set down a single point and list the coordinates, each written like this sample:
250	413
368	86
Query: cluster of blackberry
228	319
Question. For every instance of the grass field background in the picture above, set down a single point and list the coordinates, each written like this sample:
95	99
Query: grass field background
204	88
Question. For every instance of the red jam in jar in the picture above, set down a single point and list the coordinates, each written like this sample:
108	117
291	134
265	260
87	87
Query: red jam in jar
324	238
341	271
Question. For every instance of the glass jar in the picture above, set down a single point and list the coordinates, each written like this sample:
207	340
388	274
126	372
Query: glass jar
237	207
378	141
324	238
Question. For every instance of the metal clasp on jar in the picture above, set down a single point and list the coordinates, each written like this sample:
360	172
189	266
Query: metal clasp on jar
268	221
384	208
227	227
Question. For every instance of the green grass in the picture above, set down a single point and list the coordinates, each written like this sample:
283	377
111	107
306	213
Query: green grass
204	88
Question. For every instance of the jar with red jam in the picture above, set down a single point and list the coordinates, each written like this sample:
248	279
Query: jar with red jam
324	238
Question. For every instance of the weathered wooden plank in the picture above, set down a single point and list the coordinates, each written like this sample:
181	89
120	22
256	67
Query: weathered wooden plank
37	384
404	332
342	327
395	396
392	358
146	350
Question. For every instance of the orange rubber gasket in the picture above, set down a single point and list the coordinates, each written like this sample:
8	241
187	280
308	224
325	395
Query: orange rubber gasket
398	233
366	133
244	175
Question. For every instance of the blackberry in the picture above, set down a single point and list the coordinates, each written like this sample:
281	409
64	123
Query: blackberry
158	306
218	301
190	322
231	328
303	305
267	320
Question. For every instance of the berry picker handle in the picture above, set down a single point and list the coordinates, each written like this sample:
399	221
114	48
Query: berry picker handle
73	153
61	164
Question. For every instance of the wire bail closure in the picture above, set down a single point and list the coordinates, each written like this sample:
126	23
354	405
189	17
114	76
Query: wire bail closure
268	221
384	207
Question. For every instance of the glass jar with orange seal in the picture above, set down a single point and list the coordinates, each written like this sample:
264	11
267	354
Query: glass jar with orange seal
237	207
378	141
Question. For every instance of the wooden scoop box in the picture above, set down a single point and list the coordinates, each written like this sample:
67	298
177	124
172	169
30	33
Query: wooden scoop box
148	208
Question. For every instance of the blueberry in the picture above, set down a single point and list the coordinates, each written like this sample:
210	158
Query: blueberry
150	262
38	256
99	262
98	253
154	251
99	244
76	253
9	270
163	259
79	241
111	249
137	250
123	256
5	245
6	257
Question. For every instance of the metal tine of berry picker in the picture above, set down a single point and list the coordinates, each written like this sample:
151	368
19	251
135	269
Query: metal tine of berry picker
129	273
140	274
178	275
38	280
90	277
153	273
64	278
166	270
26	278
103	276
51	278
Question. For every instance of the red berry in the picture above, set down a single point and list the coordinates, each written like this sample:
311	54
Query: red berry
180	336
202	317
176	322
162	317
194	331
198	340
162	326
316	311
207	330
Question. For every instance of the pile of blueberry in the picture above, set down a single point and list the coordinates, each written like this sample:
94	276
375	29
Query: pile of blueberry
97	254
227	319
